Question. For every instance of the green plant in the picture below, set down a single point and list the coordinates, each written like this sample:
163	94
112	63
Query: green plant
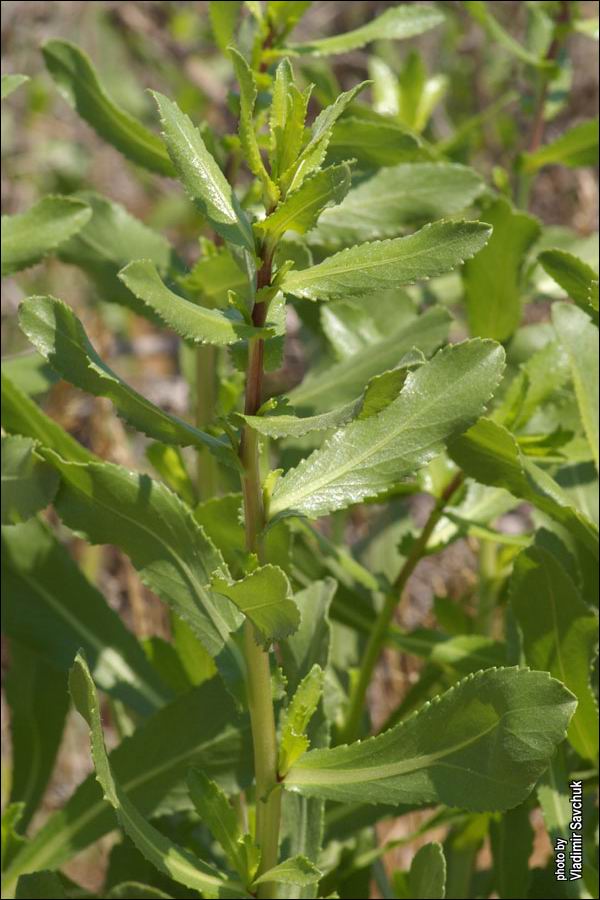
244	768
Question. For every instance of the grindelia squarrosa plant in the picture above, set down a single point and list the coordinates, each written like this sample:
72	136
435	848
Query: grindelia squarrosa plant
276	527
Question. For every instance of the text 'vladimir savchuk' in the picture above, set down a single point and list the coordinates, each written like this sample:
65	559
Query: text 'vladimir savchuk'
568	852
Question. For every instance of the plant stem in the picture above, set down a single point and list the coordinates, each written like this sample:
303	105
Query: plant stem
380	629
260	698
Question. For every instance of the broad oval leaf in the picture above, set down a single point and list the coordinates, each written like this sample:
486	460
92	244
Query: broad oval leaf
372	267
28	483
482	745
78	82
30	236
174	861
438	401
56	332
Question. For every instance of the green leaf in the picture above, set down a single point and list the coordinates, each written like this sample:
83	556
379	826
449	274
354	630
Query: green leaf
10	83
190	321
107	242
344	381
170	465
576	147
174	861
201	176
219	816
438	401
223	20
297	870
172	553
374	143
511	840
537	381
56	332
263	597
560	635
427	874
574	276
490	454
78	82
38	699
40	884
285	15
286	119
151	767
579	338
294	742
30	236
397	23
28	483
30	372
377	266
394	198
493	279
20	415
482	745
212	277
53	610
301	208
248	139
133	890
479	11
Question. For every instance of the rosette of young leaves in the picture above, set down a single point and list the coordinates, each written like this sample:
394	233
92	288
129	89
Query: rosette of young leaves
482	745
30	236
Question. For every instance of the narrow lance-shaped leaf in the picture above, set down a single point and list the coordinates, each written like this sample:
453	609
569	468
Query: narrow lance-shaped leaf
286	119
511	840
379	265
59	336
169	858
52	609
574	276
10	83
190	321
302	707
480	746
560	635
394	198
264	597
151	768
579	337
576	147
400	22
30	236
202	177
223	19
490	454
28	482
438	401
493	279
78	82
427	874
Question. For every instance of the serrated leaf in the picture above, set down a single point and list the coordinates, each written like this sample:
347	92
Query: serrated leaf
52	609
343	381
489	453
28	483
294	742
297	870
37	695
427	873
219	816
573	275
579	338
247	133
223	20
576	147
437	402
169	858
10	83
560	635
30	236
374	143
372	267
482	745
493	279
397	23
56	332
301	208
264	597
151	768
20	415
190	321
394	198
78	82
202	177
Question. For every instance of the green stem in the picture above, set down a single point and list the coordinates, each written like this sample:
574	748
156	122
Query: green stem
260	696
382	624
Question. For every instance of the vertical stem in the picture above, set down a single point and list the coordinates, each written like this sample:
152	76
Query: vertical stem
260	699
383	621
206	398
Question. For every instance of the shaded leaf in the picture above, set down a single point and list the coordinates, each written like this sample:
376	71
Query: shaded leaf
133	890
30	236
263	596
511	840
28	483
574	276
38	885
482	745
374	143
427	874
